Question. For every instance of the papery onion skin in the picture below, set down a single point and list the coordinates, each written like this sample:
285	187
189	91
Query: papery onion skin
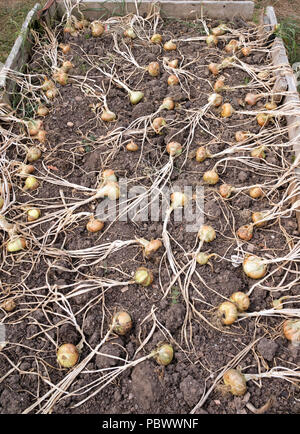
156	38
168	104
94	225
31	183
258	218
215	99
232	46
225	190
228	312
9	305
173	63
226	110
201	154
291	330
164	354
170	46
129	33
152	247
219	85
16	245
109	175
153	69
241	136
42	110
132	147
33	154
245	232
173	80
241	300
67	355
206	233
258	152
214	68
178	199
236	381
254	267
202	258
121	323
174	148
211	177
108	116
246	51
135	97
61	77
143	276
263	119
97	29
211	40
158	124
66	66
41	136
33	214
256	192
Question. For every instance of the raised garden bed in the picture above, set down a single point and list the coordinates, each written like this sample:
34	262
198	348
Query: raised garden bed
67	283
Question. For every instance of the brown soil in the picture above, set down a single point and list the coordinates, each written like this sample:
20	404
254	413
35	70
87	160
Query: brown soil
77	154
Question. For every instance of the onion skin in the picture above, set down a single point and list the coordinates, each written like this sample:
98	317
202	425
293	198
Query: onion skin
33	154
225	190
168	104
51	93
156	38
174	148
111	190
97	29
109	175
164	354
241	136
65	48
211	40
153	69
258	152
202	258
255	192
158	124
42	111
220	30
61	77
263	119
211	177
9	305
66	66
214	68
228	312
256	217
251	99
152	247
33	214
236	381
143	276
291	330
232	46
201	154
241	300
178	199
26	169
121	323
135	97
271	106
31	183
16	245
170	46
226	110
129	33
215	99
1	202
173	80
67	355
47	84
245	232
254	267
246	51
108	116
34	127
206	233
219	85
132	147
173	63
94	225
41	136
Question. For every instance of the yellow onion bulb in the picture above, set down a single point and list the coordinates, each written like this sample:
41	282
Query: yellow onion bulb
173	80
211	40
34	127
236	381
16	245
110	190
228	312
254	267
41	136
227	62
47	84
121	323
241	300
129	33
258	152
51	93
214	68
9	305
170	46
219	84
65	48
256	192
226	190
132	147
271	106
202	154
61	77
109	175
164	354
232	46
215	99
143	276
33	214
173	63
206	233
152	247
168	104
202	258
31	183
94	225
67	355
226	110
174	148
26	169
241	136
245	232
211	177
97	29
108	116
153	69
263	119
135	97
156	38
33	154
69	28
246	51
291	330
258	218
251	98
220	30
42	111
66	66
158	124
178	199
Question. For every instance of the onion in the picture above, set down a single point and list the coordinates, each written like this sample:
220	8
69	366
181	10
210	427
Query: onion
206	233
214	68
241	136
108	116
168	104
169	46
236	381
164	354
143	276
47	84
156	38
291	330
33	214
129	33
94	225
61	77
220	30
26	169
263	75
219	84
178	199
258	152
263	119
42	110
69	28
16	245
97	28
153	69
152	247
232	46
227	62
246	51
132	147
110	190
173	63
255	192
211	40
109	175
173	80
174	148
202	258
158	124
33	154
34	127
66	66
254	267
245	232
252	98
136	96
226	110
225	190
258	218
228	312
211	177
51	93
202	154
65	48
41	136
9	305
31	183
241	300
271	106
1	202
67	355
121	323
215	99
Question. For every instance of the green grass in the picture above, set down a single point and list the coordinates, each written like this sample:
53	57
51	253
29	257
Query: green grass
12	16
289	31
